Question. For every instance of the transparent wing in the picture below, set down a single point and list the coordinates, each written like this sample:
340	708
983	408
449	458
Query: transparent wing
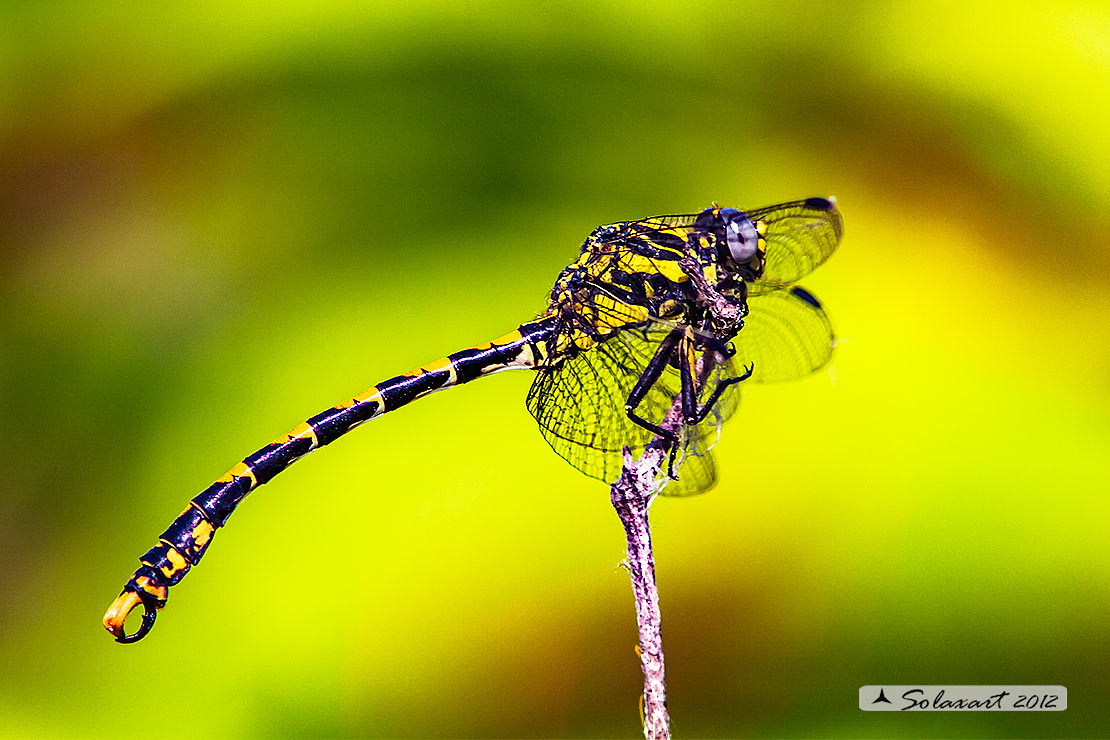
646	227
800	236
697	474
654	238
786	334
580	405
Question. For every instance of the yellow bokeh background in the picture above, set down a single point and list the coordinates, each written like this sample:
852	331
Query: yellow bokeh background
216	221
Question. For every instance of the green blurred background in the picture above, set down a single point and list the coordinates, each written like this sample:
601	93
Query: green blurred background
218	220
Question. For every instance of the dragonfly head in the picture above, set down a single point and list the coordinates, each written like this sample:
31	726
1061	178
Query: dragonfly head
740	244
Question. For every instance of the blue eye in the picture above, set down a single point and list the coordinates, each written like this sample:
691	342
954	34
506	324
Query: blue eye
740	235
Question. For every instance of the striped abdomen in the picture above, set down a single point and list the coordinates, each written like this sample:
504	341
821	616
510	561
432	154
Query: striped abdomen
183	544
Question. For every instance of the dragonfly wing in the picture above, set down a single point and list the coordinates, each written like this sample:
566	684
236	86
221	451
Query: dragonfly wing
580	406
698	474
800	236
786	334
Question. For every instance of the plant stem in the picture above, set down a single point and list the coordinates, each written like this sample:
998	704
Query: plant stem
631	496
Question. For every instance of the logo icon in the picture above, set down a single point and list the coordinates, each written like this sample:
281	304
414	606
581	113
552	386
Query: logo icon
881	697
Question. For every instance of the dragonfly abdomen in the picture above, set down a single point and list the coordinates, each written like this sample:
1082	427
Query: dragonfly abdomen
186	540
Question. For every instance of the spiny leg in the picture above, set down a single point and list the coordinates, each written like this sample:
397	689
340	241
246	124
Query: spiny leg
687	354
654	370
701	413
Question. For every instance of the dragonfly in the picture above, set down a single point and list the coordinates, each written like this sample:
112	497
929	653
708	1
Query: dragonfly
646	337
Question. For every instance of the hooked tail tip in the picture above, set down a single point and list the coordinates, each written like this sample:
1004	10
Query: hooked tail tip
118	612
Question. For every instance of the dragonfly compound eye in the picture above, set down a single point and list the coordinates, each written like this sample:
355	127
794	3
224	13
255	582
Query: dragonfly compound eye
741	235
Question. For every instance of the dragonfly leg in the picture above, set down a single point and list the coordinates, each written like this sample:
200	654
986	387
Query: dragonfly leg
723	347
701	413
648	378
691	414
